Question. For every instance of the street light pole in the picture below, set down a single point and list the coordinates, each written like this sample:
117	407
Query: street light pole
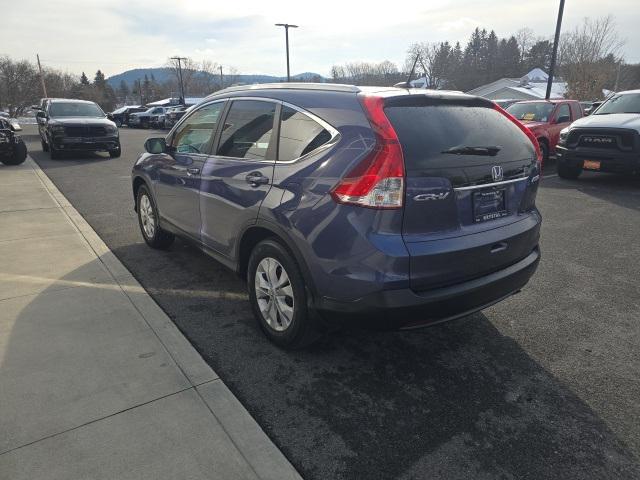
287	26
179	59
556	40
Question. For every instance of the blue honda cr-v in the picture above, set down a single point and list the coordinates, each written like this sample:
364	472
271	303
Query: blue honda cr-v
335	201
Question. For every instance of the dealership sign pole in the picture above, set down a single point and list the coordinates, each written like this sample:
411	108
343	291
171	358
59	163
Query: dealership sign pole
555	50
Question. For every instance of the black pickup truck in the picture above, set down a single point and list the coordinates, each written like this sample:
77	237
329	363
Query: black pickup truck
606	141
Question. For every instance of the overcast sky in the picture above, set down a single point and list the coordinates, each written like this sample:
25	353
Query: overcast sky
118	35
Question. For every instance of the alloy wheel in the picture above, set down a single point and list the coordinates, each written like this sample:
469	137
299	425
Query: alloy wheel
274	294
147	217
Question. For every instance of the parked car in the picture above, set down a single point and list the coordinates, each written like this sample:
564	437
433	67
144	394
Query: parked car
71	125
606	141
174	114
336	202
545	118
121	115
151	117
4	114
13	151
504	103
593	107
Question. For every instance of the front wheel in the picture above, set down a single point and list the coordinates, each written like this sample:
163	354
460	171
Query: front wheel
568	172
544	149
18	156
278	296
116	153
148	218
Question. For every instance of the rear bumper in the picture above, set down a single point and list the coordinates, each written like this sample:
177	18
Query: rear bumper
612	161
406	308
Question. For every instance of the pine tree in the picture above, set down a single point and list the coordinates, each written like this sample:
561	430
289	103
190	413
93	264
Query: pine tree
83	79
99	80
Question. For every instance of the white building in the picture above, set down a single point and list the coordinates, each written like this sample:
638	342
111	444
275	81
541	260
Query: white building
532	86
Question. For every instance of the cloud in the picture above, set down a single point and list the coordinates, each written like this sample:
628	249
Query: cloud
84	35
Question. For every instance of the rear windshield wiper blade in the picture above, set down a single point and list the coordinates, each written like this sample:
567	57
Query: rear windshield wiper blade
491	150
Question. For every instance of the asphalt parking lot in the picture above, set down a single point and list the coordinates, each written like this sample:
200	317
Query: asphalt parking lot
545	385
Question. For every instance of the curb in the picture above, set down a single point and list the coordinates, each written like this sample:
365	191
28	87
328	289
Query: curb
257	448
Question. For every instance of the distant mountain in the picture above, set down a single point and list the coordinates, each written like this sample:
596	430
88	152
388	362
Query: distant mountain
163	74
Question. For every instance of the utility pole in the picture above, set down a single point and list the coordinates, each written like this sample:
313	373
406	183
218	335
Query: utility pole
555	50
44	87
287	26
179	59
221	79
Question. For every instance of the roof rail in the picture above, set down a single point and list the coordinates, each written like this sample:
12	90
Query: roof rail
333	87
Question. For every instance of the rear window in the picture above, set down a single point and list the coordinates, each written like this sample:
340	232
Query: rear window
437	136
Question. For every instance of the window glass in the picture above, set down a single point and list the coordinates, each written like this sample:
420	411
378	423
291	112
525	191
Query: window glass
299	134
432	136
622	103
531	111
247	130
196	131
564	111
75	109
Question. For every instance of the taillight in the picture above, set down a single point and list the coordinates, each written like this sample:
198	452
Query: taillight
526	131
378	180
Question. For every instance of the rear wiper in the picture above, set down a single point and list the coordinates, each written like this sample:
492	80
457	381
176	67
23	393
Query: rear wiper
491	150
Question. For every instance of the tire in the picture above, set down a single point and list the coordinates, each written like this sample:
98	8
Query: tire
116	153
155	236
45	146
54	153
19	155
567	172
286	321
544	148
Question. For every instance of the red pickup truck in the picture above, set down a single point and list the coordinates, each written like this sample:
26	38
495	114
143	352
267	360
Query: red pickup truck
545	118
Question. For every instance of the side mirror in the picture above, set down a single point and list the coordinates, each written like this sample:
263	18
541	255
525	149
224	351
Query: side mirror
155	145
563	119
110	116
41	114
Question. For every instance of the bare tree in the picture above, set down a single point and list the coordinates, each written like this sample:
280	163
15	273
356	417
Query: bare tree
525	39
589	56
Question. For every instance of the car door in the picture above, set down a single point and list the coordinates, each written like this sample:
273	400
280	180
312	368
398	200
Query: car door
238	175
561	119
180	169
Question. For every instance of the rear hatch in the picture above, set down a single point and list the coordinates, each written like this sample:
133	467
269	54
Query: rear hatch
471	180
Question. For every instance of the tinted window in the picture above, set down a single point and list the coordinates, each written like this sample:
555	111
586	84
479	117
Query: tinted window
247	130
299	134
531	112
73	109
564	111
427	132
196	131
625	103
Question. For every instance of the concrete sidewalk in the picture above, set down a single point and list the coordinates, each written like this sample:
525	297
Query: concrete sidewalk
95	380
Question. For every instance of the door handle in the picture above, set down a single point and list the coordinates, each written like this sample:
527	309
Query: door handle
256	179
193	171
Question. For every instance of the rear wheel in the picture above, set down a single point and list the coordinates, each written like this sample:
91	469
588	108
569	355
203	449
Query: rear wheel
568	172
278	296
148	218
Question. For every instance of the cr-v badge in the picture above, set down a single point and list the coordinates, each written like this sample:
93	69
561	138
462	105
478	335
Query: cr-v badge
431	196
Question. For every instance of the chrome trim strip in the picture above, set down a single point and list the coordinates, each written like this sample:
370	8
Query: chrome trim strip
487	185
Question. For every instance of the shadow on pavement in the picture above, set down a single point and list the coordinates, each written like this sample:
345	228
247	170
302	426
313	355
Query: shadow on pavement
459	400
